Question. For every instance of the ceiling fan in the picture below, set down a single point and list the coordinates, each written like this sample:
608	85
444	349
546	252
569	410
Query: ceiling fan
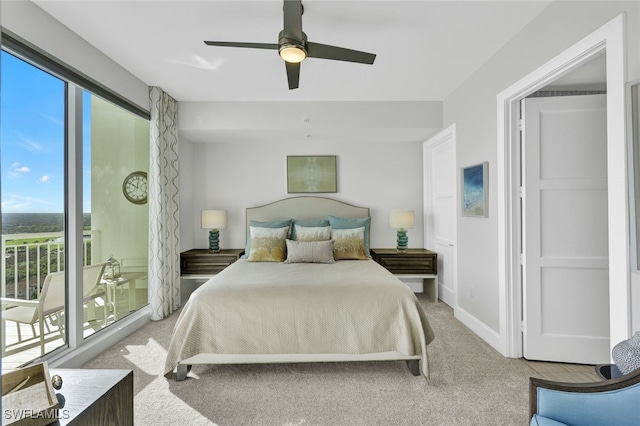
294	47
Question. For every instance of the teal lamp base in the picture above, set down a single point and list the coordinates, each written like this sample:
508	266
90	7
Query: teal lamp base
402	240
214	240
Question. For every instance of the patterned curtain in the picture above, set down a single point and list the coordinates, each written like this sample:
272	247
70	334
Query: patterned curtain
164	244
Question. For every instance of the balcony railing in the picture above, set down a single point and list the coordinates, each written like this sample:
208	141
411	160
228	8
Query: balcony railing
28	258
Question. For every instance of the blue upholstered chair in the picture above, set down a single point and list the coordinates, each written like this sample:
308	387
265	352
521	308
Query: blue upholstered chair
610	402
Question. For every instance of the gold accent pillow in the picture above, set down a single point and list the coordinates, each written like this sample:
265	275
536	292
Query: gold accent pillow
268	244
348	243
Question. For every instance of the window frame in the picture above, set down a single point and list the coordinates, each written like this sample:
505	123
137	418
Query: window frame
77	349
38	58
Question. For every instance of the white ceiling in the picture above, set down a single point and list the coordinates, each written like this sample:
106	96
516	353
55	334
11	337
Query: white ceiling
425	49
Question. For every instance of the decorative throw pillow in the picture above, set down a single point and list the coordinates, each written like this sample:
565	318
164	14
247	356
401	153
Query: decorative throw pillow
272	224
626	354
348	243
308	223
268	244
309	251
348	223
311	233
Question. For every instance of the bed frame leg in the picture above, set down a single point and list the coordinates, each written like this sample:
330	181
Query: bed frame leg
182	371
414	366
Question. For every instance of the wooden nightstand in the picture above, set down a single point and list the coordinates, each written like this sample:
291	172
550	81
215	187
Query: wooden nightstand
203	264
411	263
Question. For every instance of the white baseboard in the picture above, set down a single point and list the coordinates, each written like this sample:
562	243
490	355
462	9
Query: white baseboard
486	333
447	295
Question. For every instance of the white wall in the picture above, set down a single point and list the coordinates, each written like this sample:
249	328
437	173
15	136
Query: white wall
29	22
234	176
473	108
187	191
345	121
119	146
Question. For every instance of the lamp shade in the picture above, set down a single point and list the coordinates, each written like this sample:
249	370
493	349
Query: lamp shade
401	219
214	219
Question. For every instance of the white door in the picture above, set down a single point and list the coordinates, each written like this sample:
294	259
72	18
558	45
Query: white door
565	231
440	208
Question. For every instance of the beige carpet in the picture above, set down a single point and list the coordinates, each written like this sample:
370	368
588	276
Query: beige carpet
471	384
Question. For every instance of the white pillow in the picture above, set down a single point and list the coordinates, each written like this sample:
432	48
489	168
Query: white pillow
312	233
309	251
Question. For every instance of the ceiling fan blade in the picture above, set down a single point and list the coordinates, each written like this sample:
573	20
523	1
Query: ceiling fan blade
324	51
272	46
293	19
293	74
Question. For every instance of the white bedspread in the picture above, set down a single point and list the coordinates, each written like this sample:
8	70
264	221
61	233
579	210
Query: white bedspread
349	307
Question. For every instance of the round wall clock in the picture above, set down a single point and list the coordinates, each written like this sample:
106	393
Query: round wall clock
134	187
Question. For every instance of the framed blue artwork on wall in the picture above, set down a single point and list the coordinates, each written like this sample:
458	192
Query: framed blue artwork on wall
475	197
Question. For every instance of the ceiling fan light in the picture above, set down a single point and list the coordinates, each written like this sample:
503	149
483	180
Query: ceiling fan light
292	53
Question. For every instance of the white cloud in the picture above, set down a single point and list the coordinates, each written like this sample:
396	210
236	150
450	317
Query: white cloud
14	205
19	168
34	147
31	145
21	207
44	179
17	203
54	120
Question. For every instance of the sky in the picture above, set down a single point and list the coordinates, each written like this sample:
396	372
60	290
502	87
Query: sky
32	139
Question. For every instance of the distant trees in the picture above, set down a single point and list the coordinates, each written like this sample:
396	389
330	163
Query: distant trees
33	223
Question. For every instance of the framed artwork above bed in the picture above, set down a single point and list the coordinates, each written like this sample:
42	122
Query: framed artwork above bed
311	174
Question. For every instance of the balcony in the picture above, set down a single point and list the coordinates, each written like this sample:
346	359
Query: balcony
28	260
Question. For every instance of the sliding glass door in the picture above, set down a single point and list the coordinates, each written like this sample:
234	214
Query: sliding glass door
32	153
115	164
74	212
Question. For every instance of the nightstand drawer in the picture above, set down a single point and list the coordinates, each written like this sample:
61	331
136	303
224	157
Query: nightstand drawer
409	265
411	261
203	262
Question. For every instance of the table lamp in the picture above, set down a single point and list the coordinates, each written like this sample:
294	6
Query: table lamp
402	220
214	220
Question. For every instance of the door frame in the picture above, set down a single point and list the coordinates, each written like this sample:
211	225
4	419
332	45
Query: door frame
609	39
448	133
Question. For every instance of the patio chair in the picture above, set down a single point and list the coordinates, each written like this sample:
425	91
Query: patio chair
50	302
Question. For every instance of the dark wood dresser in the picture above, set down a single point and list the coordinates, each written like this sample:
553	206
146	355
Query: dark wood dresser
95	397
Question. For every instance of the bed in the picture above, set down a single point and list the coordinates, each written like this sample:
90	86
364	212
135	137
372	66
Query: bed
311	310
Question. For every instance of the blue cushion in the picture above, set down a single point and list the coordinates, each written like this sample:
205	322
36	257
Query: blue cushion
348	223
537	420
308	223
257	224
616	407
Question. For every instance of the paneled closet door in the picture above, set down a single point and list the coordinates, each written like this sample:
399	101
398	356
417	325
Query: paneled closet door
565	223
440	208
